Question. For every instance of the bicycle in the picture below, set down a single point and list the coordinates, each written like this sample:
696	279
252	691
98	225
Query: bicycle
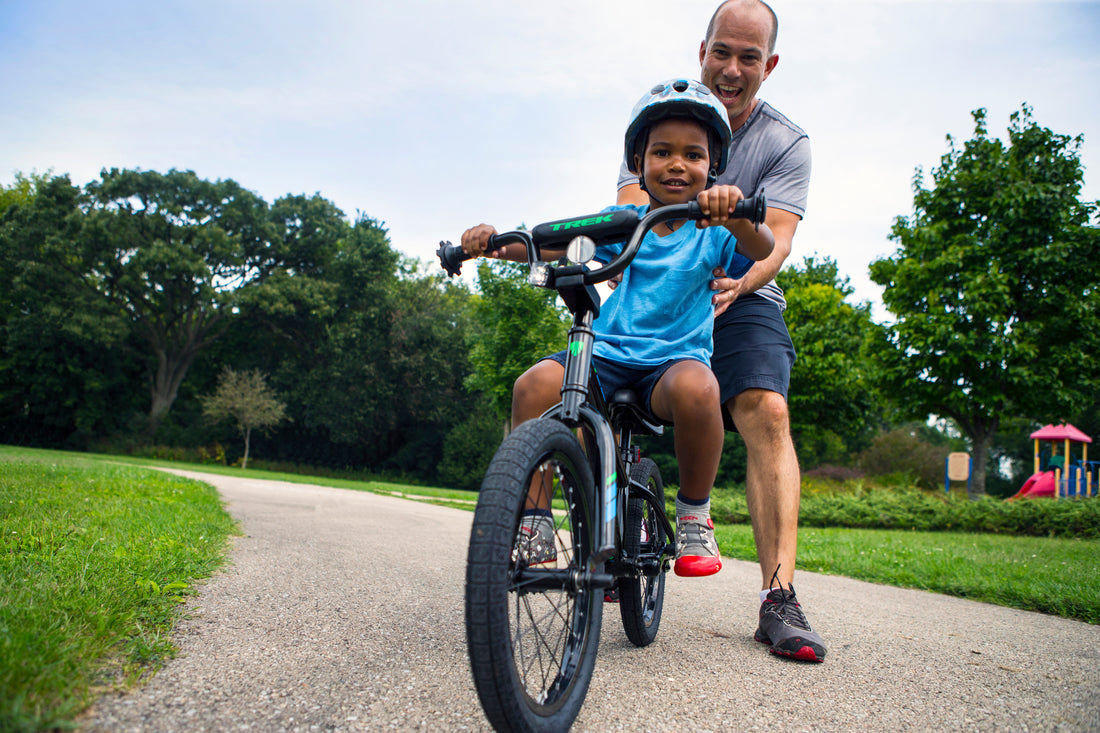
533	630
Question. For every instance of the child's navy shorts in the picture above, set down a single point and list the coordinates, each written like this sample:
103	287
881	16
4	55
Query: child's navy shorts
613	375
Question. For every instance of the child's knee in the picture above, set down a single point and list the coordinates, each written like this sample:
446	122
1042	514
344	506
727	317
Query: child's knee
536	390
693	390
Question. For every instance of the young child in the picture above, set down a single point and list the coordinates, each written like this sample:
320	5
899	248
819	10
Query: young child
654	333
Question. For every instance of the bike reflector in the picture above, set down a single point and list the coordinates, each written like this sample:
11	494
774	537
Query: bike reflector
605	228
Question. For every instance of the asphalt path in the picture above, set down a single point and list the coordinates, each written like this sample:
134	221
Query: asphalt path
343	611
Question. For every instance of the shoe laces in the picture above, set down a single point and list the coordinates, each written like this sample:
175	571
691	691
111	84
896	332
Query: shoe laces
786	605
695	533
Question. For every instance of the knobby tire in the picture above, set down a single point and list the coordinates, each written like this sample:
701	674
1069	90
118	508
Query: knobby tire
532	652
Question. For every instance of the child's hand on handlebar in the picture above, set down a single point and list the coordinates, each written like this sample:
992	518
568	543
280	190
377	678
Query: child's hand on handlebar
475	241
717	203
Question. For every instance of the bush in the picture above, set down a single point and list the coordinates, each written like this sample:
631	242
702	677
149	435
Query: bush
470	447
902	451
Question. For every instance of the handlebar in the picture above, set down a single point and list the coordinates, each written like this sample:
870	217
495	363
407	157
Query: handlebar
603	228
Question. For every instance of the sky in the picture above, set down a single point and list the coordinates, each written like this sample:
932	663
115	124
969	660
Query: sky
433	116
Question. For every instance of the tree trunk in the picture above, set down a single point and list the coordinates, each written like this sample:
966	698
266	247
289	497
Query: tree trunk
171	370
981	437
247	441
175	349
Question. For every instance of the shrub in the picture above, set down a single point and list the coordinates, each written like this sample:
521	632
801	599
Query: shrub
902	451
867	504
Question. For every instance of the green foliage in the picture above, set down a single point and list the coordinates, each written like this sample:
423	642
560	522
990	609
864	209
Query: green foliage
993	286
512	325
469	448
94	562
66	356
834	405
904	451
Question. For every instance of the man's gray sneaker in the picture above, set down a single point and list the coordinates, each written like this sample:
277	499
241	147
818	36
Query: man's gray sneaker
784	628
535	542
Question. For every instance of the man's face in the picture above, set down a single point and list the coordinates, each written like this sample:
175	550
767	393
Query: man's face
734	61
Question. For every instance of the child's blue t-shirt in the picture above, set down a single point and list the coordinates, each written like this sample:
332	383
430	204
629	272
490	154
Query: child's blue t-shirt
662	308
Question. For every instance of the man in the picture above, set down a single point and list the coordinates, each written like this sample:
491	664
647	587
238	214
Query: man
753	353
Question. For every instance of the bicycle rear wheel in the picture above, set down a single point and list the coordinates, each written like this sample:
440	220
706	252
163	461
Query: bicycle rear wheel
642	596
532	632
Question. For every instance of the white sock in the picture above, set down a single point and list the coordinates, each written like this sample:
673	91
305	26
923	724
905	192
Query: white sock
684	509
764	595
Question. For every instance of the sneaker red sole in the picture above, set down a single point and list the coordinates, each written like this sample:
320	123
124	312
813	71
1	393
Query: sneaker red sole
805	654
692	566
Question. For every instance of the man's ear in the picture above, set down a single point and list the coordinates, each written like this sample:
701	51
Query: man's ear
770	64
702	51
638	164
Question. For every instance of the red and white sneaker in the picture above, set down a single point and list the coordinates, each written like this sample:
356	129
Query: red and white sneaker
696	549
535	544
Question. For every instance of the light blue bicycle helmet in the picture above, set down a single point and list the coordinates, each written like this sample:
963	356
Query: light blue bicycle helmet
679	98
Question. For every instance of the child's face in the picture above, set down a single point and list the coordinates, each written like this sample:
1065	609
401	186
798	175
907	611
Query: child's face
676	161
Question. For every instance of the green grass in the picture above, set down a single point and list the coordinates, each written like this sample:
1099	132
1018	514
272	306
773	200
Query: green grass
1051	575
95	559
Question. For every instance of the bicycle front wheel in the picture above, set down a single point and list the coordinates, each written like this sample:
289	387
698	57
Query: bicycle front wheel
532	630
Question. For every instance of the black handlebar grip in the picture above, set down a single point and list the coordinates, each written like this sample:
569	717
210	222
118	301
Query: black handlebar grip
754	208
451	258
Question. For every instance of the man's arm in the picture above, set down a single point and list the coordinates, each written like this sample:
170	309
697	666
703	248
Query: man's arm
632	193
783	224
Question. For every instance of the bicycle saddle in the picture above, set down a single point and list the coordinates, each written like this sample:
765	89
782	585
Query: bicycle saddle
627	409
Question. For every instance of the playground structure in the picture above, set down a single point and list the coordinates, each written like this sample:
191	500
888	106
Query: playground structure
1063	478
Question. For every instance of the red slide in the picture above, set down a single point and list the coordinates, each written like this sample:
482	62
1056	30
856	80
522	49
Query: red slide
1040	484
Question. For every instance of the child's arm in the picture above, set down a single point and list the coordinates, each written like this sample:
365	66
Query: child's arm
475	240
717	203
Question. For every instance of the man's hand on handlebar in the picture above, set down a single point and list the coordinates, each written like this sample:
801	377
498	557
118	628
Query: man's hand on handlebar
475	241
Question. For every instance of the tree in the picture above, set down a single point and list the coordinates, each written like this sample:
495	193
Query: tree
513	325
173	252
993	285
245	398
66	356
834	404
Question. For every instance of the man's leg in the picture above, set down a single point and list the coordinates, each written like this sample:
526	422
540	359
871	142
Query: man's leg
773	487
773	481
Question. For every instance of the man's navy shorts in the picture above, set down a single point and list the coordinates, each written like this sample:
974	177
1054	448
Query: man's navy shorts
752	350
614	376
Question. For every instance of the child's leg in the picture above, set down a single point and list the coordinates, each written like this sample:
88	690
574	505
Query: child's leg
536	391
688	395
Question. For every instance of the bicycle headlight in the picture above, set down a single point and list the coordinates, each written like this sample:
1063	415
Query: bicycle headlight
540	274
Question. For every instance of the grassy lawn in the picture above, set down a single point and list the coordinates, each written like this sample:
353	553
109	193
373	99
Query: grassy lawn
1050	575
95	559
96	556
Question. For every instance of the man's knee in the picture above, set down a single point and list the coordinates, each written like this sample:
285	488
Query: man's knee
756	410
